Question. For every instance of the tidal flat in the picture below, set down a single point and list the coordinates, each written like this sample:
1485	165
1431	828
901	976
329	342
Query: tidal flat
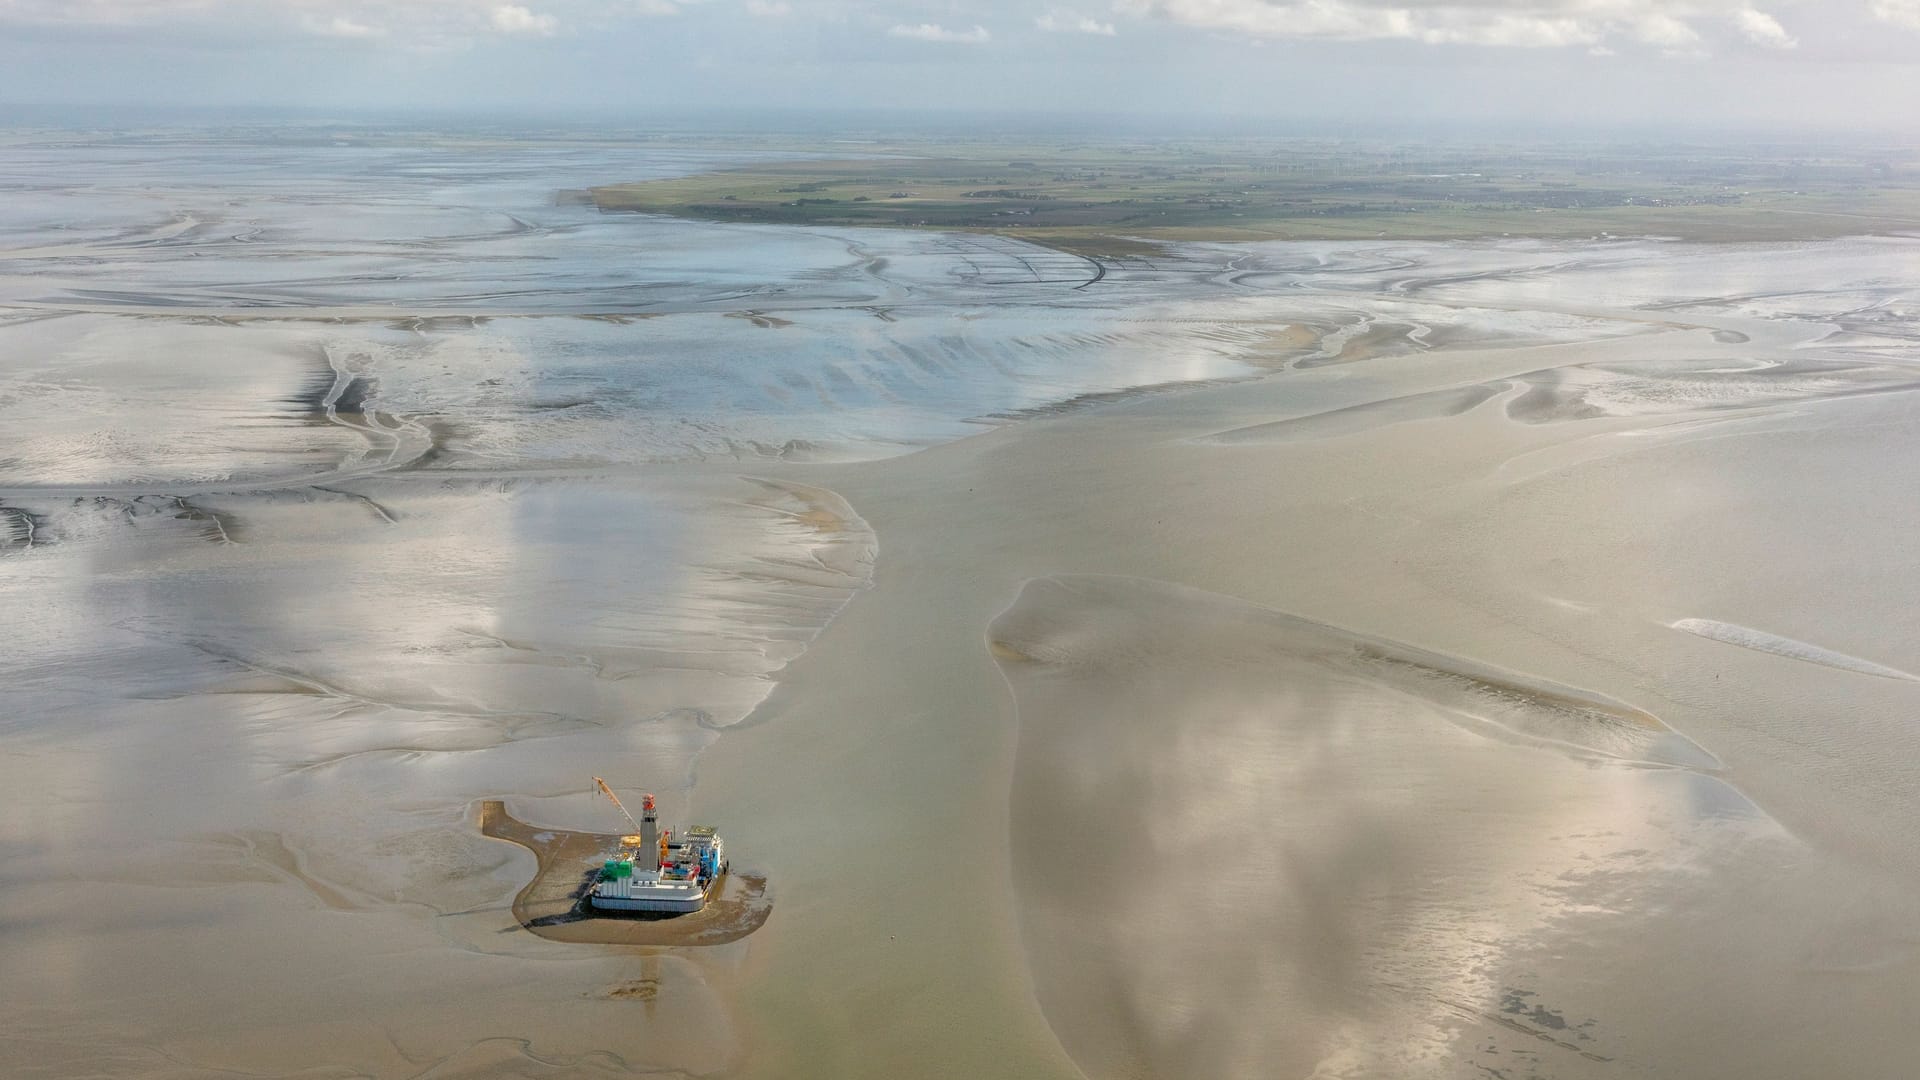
1239	659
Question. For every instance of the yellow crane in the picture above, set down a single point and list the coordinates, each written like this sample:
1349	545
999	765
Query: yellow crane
608	792
642	837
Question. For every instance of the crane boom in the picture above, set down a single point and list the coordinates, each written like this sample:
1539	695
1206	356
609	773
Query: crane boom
608	792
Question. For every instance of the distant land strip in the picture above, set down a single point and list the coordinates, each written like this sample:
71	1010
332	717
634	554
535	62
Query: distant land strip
1120	199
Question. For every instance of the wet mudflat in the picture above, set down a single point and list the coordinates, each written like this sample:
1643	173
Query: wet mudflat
1456	868
1564	739
1500	663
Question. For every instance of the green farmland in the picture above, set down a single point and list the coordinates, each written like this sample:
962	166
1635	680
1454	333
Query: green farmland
1117	197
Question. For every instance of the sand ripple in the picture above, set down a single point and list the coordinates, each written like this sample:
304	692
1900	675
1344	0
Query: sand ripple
1591	391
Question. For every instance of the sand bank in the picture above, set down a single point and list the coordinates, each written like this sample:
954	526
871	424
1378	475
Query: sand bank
554	905
1245	847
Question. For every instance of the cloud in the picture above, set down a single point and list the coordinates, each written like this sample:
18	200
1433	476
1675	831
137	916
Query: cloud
341	26
1763	29
1513	31
935	32
514	19
1659	28
1669	25
1067	22
1680	28
412	24
1900	12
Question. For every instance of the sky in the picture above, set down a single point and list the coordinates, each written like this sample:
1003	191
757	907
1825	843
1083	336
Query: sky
1754	64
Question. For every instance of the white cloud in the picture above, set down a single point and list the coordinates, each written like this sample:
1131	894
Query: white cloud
411	24
1763	29
1689	28
1901	12
99	13
935	32
1672	26
1067	22
1514	31
341	26
1311	18
514	19
1659	28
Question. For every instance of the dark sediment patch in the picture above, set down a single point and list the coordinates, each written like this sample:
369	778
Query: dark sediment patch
1481	697
19	528
386	515
214	526
427	324
353	396
1503	703
761	319
617	318
310	398
1379	339
208	524
554	904
562	404
439	433
1099	398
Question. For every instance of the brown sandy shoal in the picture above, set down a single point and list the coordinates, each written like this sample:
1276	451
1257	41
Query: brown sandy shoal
553	905
1337	845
